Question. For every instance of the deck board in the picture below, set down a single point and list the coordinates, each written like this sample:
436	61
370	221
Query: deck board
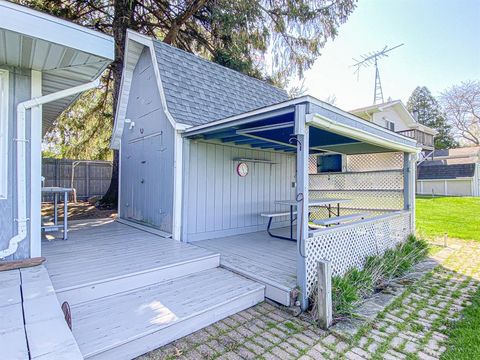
127	317
98	250
258	256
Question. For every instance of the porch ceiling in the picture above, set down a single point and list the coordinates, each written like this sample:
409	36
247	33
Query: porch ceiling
67	54
275	131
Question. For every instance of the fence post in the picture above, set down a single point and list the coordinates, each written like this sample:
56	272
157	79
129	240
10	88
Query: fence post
324	293
57	173
87	179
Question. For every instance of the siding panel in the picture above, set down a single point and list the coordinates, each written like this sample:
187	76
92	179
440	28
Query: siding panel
147	154
19	90
227	204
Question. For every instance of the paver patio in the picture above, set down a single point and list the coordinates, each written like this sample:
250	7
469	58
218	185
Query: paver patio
412	327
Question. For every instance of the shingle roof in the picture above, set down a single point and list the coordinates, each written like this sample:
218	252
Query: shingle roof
472	151
198	91
446	171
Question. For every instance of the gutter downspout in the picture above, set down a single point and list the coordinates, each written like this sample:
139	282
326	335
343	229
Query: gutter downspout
22	107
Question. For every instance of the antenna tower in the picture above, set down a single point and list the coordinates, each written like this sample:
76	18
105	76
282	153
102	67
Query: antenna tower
372	58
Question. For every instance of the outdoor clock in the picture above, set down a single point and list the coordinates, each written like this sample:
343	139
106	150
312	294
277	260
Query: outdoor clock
242	169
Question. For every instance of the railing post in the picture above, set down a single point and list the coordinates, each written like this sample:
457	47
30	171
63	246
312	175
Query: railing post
302	142
324	293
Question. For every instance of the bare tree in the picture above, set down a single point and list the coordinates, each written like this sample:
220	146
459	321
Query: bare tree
461	104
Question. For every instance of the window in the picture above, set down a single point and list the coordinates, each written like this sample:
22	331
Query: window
390	125
3	133
329	163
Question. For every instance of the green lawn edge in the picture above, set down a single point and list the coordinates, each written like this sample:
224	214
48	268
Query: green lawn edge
458	217
464	335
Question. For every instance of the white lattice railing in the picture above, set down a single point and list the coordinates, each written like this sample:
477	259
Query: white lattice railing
347	246
373	184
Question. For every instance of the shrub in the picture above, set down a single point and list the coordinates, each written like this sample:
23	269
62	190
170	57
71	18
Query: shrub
355	285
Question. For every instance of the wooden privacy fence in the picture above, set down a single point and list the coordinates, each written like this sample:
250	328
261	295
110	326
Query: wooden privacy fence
87	177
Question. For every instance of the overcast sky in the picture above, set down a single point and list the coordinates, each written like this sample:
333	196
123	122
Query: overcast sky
442	48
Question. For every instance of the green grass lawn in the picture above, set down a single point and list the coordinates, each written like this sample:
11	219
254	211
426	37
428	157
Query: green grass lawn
464	336
459	217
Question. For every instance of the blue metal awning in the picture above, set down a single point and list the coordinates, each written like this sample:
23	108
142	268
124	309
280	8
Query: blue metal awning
274	128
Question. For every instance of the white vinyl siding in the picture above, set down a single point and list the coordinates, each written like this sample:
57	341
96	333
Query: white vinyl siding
3	133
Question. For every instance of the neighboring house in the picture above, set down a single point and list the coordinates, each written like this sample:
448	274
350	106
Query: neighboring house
453	172
393	115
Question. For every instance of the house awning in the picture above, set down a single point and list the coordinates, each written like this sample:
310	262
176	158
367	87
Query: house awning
331	130
67	54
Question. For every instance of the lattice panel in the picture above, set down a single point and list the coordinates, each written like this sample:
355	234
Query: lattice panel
348	246
322	213
376	180
362	199
374	162
312	164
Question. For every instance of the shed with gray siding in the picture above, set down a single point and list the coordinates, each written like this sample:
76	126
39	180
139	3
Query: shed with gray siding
205	151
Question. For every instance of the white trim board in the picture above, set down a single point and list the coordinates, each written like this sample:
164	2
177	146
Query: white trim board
35	167
42	26
134	44
4	138
144	228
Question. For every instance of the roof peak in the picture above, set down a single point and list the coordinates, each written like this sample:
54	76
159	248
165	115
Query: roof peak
199	91
374	106
198	57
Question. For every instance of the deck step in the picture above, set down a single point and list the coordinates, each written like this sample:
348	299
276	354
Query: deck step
107	286
126	325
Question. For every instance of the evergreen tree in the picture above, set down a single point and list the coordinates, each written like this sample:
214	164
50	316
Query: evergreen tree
237	34
425	108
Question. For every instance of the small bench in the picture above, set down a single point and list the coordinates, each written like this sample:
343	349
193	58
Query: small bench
270	216
339	219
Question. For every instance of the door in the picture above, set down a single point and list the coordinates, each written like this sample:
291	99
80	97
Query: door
151	197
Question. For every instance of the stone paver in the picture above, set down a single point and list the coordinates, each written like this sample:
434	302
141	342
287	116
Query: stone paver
412	326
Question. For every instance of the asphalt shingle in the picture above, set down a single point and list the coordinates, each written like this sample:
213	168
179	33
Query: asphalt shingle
446	171
198	91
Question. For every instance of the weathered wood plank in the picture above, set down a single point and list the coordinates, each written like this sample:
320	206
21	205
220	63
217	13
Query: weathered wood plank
13	345
324	293
30	314
18	264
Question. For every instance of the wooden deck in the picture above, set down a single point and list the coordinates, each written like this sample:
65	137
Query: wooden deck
260	257
131	291
32	325
134	322
100	253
